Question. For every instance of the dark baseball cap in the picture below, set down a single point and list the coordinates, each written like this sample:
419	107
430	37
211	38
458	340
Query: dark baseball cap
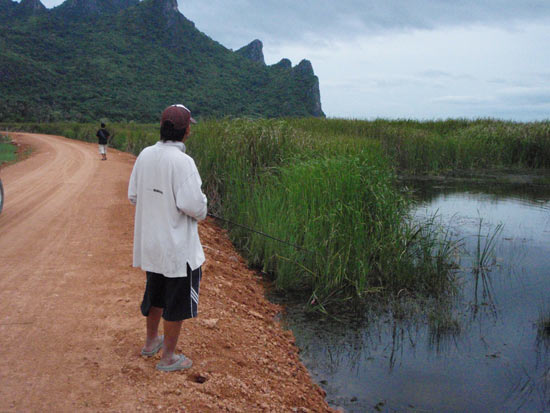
179	115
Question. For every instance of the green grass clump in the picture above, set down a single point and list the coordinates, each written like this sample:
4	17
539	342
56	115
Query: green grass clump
348	216
7	150
442	322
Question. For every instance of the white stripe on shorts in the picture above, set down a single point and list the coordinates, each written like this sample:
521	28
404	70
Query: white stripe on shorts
194	296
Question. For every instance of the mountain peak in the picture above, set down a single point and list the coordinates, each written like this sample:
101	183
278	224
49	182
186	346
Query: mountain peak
168	9
284	63
87	8
253	51
304	68
30	8
170	5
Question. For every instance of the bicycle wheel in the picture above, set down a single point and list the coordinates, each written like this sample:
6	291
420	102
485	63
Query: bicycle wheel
1	196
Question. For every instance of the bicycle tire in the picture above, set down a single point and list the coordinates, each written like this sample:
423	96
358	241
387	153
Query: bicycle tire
1	196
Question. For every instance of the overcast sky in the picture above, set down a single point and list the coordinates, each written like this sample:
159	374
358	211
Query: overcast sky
415	59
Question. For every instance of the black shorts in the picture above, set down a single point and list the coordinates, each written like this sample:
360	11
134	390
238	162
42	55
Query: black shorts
178	297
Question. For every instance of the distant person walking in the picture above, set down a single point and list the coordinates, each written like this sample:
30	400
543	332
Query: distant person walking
103	139
165	186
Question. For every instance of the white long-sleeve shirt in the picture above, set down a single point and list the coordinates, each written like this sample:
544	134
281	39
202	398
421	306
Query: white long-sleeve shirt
165	186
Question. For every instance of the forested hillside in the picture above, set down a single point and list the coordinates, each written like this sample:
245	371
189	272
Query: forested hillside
126	60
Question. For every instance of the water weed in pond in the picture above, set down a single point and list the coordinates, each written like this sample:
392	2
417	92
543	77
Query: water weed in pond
543	325
485	250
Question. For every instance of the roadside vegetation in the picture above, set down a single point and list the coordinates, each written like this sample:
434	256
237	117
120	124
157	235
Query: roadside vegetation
330	187
7	150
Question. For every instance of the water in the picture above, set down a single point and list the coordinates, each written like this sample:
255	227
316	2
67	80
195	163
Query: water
487	355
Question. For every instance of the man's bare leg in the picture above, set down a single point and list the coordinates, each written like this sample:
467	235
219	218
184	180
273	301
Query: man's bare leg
171	334
153	321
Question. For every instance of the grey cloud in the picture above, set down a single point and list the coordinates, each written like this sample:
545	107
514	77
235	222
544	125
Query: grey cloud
381	83
235	23
463	100
517	104
440	74
499	81
400	82
526	96
543	76
518	82
435	74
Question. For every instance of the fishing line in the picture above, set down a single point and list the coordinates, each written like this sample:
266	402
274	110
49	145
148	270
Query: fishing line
259	232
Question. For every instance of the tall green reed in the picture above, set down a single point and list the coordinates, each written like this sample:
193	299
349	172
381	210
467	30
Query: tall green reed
446	145
485	249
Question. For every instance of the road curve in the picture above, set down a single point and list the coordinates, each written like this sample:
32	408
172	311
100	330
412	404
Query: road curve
54	233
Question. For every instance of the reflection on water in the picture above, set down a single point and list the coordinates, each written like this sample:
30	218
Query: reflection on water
482	350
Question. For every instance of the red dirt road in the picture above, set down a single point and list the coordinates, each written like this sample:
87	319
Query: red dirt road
70	326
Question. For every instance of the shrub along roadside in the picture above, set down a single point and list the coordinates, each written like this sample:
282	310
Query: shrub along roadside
7	150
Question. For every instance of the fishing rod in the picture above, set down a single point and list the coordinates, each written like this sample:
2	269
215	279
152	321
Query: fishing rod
259	232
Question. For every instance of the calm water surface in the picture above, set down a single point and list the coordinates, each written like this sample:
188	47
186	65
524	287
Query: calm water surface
491	356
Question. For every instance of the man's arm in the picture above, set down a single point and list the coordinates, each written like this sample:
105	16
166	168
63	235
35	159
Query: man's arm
189	197
132	186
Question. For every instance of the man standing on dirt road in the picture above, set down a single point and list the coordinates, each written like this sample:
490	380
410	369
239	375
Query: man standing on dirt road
165	186
103	139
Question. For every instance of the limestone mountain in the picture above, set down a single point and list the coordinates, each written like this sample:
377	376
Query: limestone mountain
127	60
